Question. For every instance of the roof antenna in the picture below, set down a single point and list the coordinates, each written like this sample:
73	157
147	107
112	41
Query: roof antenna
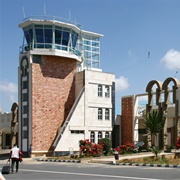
70	15
23	12
44	10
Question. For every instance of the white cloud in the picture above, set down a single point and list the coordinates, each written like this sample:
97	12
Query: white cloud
8	87
171	59
121	83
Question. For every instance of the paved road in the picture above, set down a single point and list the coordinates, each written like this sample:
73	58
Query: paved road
55	170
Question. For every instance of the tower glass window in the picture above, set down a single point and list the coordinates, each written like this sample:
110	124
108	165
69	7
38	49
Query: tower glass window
57	36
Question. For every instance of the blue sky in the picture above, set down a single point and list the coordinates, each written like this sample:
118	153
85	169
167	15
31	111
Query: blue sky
131	29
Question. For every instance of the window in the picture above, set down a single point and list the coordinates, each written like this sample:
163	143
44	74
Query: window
107	135
92	137
100	90
77	132
106	91
99	113
106	114
99	135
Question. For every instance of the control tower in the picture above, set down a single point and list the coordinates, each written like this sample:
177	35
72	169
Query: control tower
60	81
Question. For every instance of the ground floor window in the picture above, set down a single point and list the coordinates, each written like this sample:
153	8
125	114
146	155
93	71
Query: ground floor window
107	135
92	137
99	135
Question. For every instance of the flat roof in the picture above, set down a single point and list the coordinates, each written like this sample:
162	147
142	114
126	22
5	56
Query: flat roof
51	20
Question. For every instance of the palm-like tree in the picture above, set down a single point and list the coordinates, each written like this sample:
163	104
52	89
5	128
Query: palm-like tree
154	123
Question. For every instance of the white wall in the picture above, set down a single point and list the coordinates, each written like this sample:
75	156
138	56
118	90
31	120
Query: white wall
85	116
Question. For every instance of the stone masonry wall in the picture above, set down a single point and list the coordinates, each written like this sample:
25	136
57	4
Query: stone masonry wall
53	94
127	120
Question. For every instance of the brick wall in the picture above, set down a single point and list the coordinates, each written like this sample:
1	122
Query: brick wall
53	94
127	119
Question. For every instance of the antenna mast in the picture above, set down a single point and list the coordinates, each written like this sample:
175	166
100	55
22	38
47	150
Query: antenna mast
23	12
44	10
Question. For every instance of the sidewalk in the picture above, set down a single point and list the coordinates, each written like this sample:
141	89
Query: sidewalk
101	160
111	159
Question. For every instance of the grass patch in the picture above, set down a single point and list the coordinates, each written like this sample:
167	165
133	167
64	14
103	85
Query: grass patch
152	160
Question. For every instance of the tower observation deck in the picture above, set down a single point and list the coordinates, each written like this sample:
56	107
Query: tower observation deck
49	35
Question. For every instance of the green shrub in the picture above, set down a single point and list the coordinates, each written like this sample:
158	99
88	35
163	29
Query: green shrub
106	145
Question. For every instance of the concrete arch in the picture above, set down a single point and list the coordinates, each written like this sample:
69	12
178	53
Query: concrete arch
168	80
166	89
152	83
158	92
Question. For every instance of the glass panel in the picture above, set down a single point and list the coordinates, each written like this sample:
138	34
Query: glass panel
95	49
29	36
87	55
95	56
87	42
25	122
87	48
87	63
38	26
95	64
57	27
74	40
48	26
24	97
95	38
24	85
25	109
95	44
65	38
39	36
58	36
48	35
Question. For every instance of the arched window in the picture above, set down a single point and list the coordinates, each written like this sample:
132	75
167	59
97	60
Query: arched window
106	114
99	113
99	135
107	135
92	137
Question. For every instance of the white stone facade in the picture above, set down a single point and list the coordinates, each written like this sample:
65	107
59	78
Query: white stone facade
84	119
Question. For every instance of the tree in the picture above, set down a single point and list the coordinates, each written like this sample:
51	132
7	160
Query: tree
154	123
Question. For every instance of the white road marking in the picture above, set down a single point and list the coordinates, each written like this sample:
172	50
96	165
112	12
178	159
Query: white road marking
85	174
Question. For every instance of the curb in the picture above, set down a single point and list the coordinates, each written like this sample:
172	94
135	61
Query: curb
149	165
59	160
120	164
